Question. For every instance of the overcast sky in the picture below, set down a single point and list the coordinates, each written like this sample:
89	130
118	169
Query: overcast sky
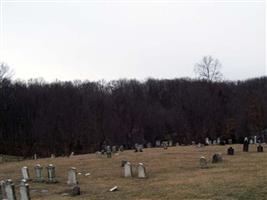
131	39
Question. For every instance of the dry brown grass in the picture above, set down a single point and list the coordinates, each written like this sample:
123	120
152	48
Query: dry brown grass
173	174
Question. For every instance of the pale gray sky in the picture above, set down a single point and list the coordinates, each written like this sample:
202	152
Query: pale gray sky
131	39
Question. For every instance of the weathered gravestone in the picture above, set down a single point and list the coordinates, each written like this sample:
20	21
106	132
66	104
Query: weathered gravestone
121	148
251	141
35	156
38	173
255	139
157	143
51	173
230	151
207	141
216	158
170	143
75	190
72	176
109	153
246	145
260	148
114	149
10	190
230	141
141	170
149	145
203	162
218	140
3	191
128	170
25	173
24	190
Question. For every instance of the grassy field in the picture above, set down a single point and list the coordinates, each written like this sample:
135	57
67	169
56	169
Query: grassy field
173	174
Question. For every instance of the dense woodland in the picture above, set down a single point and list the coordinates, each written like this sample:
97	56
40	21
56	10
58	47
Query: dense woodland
61	117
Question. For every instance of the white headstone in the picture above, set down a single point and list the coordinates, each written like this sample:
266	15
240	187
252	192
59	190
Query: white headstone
24	190
128	170
25	173
38	173
72	176
141	171
255	139
51	173
203	162
10	190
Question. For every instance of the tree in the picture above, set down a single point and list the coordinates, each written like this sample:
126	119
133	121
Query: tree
5	72
209	68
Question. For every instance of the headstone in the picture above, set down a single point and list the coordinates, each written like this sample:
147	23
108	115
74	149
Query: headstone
165	145
157	143
230	141
10	190
35	157
72	154
177	144
149	145
255	139
260	148
75	190
114	149
251	141
230	151
193	143
141	171
38	173
53	156
98	154
115	188
216	158
207	141
140	148
24	190
109	152
203	162
3	191
128	170
200	145
51	173
121	148
246	145
25	173
170	143
72	176
214	142
218	140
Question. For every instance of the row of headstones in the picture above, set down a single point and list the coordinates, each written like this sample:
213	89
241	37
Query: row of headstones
128	170
216	158
8	188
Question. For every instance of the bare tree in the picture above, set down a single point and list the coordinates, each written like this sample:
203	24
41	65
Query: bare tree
5	72
209	68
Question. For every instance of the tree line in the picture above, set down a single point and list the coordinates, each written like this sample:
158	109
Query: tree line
61	117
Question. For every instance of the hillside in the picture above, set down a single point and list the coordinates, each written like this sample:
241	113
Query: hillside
173	174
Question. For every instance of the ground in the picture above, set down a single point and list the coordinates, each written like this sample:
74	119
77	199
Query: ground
172	174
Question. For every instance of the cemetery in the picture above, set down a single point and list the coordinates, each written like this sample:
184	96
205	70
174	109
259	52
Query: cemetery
177	172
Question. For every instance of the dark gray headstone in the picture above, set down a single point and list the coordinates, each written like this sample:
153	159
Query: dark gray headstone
230	151
216	158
